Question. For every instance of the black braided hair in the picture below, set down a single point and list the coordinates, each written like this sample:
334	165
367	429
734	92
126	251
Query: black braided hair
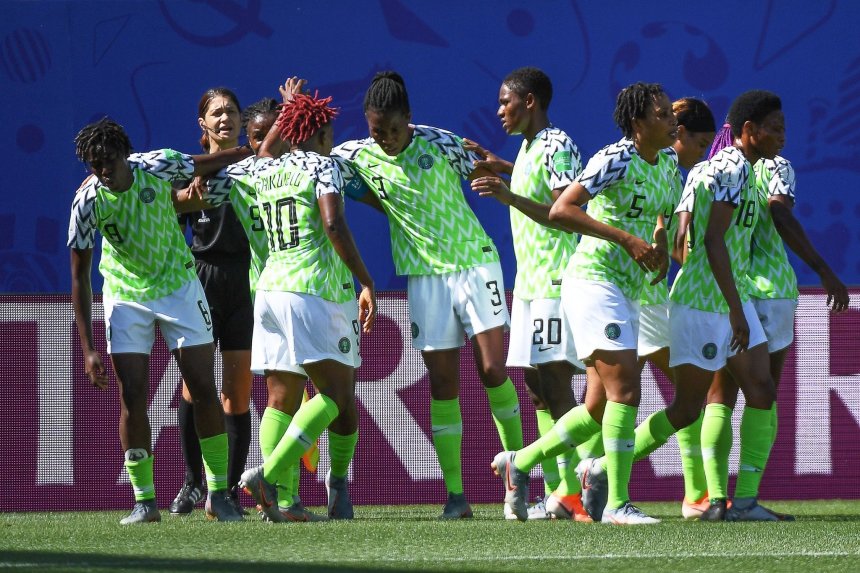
633	103
100	139
524	81
387	92
265	106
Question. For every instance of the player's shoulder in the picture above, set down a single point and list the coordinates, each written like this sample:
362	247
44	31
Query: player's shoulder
622	150
554	138
779	165
87	190
435	135
670	154
349	150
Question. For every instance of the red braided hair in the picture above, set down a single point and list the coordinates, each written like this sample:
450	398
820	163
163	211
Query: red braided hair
299	119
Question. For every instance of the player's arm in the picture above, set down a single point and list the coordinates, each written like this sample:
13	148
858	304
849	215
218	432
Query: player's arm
494	186
213	162
568	214
82	302
661	245
722	213
191	198
338	233
792	233
679	241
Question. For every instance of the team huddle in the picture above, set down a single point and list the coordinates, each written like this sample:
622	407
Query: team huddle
593	245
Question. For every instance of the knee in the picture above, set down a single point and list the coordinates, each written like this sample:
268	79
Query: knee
493	373
760	393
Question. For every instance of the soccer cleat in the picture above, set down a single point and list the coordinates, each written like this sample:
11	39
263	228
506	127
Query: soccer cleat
595	487
695	509
298	512
456	507
234	499
749	510
716	511
567	507
219	507
538	510
263	492
627	514
186	499
143	512
516	484
339	504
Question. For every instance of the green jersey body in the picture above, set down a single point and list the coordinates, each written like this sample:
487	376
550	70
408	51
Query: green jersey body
729	178
144	253
771	275
551	161
627	193
301	257
433	229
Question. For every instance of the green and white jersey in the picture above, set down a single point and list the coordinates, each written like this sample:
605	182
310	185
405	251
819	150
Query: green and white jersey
770	272
727	177
552	161
659	293
301	257
144	254
629	194
235	184
433	229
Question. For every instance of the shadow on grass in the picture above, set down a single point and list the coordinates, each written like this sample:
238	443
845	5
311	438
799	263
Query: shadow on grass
42	561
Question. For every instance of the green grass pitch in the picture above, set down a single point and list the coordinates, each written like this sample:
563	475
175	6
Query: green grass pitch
826	537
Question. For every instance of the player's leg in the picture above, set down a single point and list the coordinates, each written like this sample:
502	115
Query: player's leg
342	439
132	374
717	442
488	348
191	491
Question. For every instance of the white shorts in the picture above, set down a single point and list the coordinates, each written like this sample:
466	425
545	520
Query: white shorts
601	317
444	306
293	329
540	334
703	338
653	328
777	319
182	317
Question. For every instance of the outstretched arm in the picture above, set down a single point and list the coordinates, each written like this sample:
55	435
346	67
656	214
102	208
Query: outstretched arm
496	187
82	302
722	213
338	233
793	234
490	160
568	214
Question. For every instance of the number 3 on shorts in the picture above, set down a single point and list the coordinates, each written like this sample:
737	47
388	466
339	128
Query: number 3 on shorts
496	296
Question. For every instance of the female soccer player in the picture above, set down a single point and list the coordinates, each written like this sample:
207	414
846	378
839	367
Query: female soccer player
307	281
540	342
696	131
455	281
149	281
629	186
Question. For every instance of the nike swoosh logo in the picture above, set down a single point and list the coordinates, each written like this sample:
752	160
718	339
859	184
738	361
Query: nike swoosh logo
497	312
542	349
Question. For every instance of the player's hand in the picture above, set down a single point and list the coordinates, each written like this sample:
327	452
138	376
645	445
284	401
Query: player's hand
664	264
96	370
493	187
292	86
740	330
197	189
489	159
643	253
367	308
837	294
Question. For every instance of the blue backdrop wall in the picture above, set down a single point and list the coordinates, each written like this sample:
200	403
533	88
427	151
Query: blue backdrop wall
146	63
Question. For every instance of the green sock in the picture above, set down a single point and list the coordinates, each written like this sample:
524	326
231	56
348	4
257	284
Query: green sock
619	436
505	406
140	474
273	425
592	447
551	477
341	449
690	444
652	433
716	447
447	426
215	456
569	483
292	486
313	417
575	427
756	441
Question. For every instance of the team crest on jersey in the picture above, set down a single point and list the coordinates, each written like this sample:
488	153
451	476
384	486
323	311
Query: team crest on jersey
425	161
414	330
612	331
344	345
147	195
709	350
